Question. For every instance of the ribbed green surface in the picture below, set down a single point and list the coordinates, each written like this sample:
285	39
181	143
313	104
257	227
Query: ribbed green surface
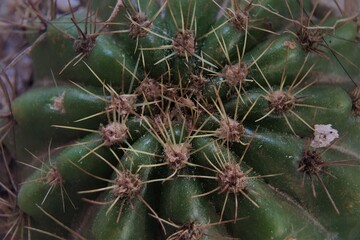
193	94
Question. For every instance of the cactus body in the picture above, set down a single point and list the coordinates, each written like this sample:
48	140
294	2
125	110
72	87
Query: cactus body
189	120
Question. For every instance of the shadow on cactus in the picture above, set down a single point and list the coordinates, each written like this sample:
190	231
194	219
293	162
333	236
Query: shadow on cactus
186	120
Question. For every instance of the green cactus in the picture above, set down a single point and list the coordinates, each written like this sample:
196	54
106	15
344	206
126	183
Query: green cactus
186	119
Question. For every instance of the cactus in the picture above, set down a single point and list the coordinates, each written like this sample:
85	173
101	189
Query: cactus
186	119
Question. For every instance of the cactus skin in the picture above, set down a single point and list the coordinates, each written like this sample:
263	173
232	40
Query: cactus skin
192	129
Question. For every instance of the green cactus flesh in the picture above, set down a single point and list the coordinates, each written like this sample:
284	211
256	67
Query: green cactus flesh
188	119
